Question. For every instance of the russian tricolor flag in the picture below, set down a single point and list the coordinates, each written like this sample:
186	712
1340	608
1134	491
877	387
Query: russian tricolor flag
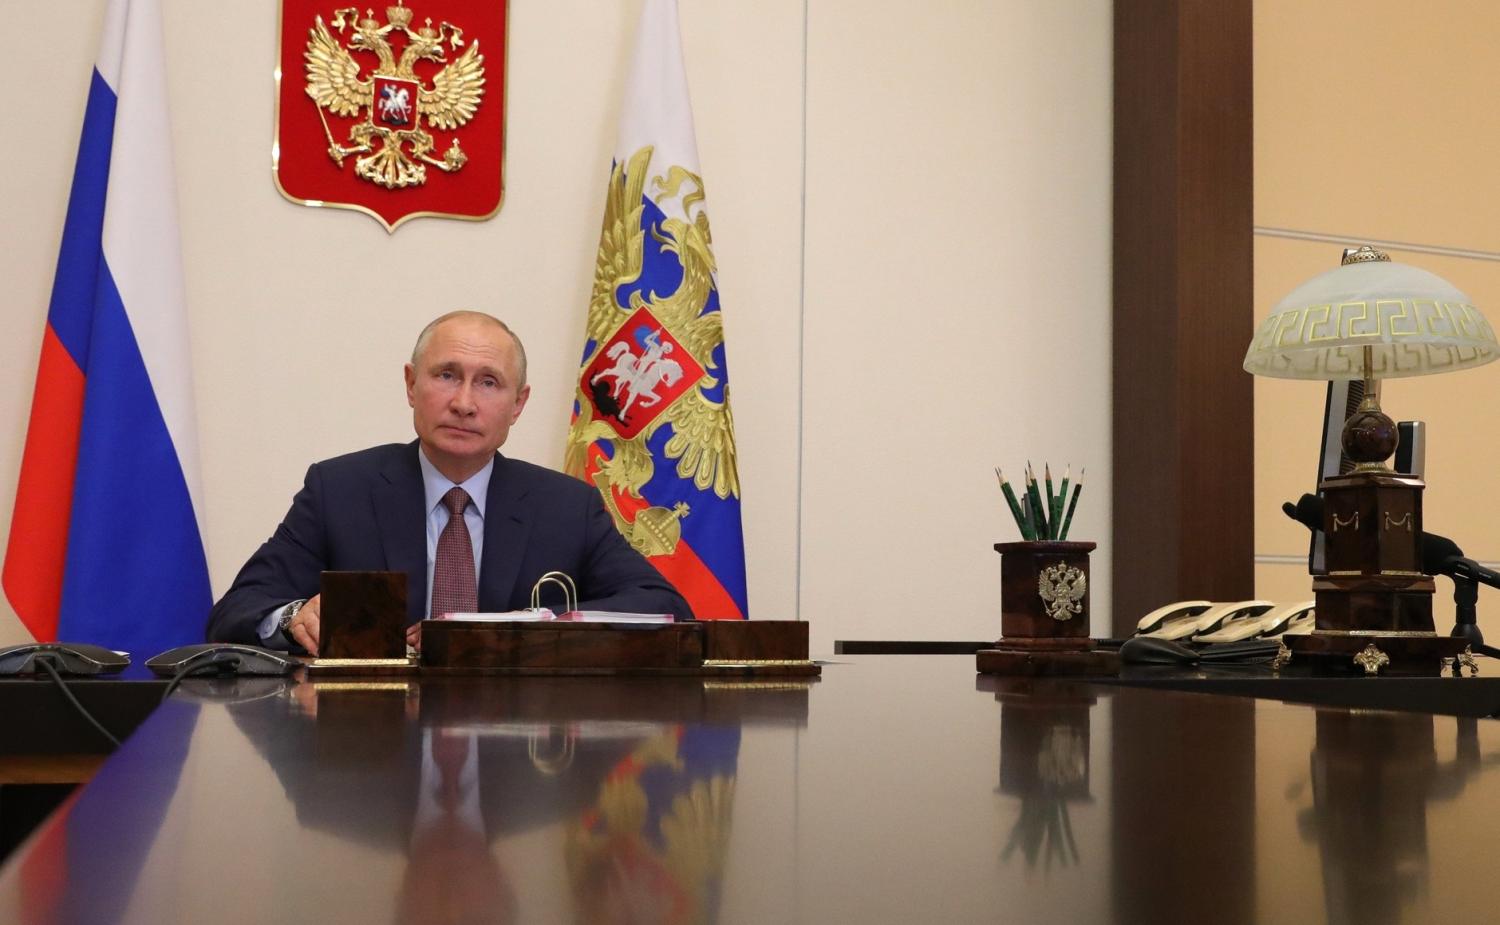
651	423
106	543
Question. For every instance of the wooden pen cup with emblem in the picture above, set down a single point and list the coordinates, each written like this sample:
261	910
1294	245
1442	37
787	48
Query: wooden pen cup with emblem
1044	593
1044	612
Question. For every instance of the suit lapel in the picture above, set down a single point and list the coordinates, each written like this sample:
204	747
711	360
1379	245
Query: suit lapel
399	500
507	524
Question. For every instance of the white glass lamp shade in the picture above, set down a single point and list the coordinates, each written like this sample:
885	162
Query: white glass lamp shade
1415	323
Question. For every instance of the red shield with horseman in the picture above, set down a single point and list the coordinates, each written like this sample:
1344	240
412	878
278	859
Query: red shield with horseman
638	374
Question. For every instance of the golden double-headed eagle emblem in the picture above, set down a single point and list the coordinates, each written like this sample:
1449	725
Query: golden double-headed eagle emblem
1062	588
390	146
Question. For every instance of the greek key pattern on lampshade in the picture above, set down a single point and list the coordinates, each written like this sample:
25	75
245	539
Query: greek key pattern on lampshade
1411	337
1411	322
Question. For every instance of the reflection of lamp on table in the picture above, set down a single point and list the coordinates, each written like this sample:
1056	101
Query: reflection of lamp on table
1372	319
1374	774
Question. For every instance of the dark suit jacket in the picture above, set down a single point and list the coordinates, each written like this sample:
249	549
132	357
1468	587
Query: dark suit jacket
365	511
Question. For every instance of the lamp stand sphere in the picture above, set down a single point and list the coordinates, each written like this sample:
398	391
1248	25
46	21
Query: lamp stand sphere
1370	437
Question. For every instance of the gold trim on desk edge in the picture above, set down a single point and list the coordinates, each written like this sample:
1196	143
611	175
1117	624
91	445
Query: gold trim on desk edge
754	662
362	663
777	685
1377	633
406	687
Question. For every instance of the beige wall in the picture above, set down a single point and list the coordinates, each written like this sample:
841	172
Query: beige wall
947	203
1370	127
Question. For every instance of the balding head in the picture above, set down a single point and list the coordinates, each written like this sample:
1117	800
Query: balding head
425	338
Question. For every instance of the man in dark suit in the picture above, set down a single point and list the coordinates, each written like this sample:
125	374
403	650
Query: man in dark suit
493	525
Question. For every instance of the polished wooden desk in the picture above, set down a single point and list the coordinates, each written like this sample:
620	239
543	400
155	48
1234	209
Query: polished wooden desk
894	789
47	742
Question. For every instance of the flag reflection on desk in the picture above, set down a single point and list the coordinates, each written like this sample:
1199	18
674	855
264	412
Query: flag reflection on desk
652	427
653	847
66	876
105	542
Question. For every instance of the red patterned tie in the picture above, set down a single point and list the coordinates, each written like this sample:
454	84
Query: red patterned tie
454	589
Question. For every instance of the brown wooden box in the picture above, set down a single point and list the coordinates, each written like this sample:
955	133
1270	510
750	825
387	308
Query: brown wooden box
754	640
1023	612
1373	522
1374	604
363	615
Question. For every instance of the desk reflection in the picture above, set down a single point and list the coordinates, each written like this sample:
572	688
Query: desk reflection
1374	775
642	807
1044	762
895	793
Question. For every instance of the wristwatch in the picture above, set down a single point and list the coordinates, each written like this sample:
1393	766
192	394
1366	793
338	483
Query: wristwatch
285	623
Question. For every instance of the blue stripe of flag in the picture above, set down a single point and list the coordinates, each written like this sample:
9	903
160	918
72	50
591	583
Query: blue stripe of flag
136	578
82	250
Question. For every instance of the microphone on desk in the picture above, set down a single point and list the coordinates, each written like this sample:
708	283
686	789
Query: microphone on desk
1440	555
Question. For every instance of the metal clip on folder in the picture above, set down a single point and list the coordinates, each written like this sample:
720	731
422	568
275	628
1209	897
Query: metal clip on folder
561	579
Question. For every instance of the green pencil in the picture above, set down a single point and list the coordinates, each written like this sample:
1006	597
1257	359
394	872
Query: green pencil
1051	503
1073	505
1034	498
1015	506
1062	497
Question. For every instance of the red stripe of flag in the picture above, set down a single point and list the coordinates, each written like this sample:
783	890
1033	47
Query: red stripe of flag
690	575
44	876
698	584
37	553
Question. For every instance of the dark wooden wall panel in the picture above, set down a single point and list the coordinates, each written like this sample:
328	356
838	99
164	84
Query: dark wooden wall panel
1183	523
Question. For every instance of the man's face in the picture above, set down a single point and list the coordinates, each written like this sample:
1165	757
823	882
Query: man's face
464	394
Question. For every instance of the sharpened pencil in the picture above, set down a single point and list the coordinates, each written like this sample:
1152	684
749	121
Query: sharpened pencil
1073	505
1062	497
1051	503
1015	506
1034	498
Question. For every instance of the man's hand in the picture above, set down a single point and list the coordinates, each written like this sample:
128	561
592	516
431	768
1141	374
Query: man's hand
413	636
304	626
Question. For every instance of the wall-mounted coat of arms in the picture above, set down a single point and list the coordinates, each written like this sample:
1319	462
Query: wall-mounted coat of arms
400	115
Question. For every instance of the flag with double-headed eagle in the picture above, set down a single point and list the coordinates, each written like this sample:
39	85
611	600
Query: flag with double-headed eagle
651	421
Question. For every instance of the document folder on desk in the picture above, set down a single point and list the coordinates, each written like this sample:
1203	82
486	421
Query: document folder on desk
543	615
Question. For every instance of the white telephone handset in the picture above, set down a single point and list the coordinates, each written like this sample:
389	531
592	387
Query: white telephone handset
1208	619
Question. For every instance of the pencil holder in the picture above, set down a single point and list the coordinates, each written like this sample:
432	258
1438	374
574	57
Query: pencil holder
1044	592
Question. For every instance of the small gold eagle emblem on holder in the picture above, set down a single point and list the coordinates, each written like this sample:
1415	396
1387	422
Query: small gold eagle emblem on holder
1062	588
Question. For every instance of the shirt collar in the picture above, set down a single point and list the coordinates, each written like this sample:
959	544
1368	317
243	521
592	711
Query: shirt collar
435	484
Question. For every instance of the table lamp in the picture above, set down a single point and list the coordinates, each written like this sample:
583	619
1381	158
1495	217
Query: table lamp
1372	319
